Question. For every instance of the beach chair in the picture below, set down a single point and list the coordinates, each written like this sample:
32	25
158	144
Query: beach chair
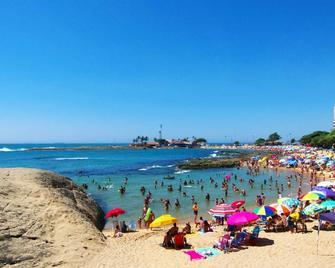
179	241
254	235
237	242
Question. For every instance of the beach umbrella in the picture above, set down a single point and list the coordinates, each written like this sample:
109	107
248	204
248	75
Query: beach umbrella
291	202
114	212
238	203
326	184
330	217
312	196
221	210
242	218
281	200
165	219
324	191
295	216
281	209
328	205
265	211
313	209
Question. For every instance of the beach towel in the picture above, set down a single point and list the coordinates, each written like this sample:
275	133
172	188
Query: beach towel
194	255
208	252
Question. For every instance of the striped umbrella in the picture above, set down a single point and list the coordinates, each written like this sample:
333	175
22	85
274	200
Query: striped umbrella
221	210
281	209
265	211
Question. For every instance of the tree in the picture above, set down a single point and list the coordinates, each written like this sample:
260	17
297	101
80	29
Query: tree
293	140
237	143
201	140
274	137
260	141
307	139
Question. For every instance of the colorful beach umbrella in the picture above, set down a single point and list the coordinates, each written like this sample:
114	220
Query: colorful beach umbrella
242	218
281	200
310	196
281	209
313	209
290	202
114	212
165	219
265	211
238	203
222	210
328	205
324	191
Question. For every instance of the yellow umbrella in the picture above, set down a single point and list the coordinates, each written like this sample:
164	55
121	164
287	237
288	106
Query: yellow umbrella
295	216
165	219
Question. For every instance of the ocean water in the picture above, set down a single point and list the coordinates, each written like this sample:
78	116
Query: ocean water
142	168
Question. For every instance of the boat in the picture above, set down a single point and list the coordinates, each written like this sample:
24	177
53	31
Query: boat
168	177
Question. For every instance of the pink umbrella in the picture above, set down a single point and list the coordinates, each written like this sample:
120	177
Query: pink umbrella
242	218
221	210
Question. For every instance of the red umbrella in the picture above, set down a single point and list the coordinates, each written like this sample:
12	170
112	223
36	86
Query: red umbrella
114	212
237	204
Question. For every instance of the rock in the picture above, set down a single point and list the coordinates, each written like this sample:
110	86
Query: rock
46	220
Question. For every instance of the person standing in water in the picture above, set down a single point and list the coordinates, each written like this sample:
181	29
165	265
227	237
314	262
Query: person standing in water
195	212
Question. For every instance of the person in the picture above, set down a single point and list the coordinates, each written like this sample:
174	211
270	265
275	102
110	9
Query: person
207	228
290	224
177	203
169	236
187	229
117	232
139	222
195	211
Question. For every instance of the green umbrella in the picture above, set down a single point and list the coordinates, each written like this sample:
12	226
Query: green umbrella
328	205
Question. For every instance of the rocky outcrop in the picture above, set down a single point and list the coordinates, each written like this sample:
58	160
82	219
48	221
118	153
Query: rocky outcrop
46	220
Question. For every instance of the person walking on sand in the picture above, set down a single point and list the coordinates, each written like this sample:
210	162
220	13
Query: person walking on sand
195	211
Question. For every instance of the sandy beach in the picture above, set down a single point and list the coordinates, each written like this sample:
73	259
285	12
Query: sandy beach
59	227
142	249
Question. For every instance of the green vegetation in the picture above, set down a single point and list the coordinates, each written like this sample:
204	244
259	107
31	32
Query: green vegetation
274	137
321	139
237	143
272	140
260	141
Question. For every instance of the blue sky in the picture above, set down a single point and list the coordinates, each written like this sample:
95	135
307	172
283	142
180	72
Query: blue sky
107	71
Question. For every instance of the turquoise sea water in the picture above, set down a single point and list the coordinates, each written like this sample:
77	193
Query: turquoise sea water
142	168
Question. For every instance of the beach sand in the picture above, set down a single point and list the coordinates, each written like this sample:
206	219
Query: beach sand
142	249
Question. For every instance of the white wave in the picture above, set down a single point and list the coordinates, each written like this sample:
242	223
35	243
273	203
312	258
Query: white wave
5	149
182	171
213	155
188	186
154	166
70	158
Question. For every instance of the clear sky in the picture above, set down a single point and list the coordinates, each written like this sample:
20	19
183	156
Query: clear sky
107	71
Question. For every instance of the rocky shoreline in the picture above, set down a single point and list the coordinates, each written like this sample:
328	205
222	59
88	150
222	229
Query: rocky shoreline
46	220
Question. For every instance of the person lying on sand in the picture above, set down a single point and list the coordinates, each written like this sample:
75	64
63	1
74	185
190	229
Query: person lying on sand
187	229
